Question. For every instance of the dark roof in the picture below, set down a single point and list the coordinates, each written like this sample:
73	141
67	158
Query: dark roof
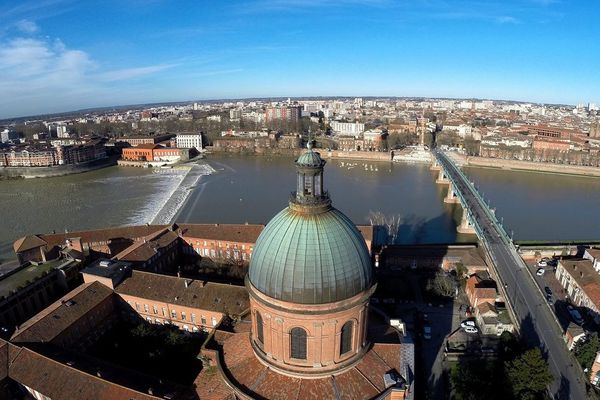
54	319
144	249
227	299
62	382
27	243
114	270
103	235
241	233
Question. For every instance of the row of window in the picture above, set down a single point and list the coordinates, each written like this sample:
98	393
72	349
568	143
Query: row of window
298	338
174	315
219	253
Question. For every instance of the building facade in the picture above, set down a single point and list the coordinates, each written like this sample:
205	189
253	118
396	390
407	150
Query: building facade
189	140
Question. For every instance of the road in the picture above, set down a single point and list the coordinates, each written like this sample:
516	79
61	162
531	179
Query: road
538	324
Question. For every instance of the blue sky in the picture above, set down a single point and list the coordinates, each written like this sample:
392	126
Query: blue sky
61	55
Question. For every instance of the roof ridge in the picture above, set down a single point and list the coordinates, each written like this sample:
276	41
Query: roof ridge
45	313
366	378
35	353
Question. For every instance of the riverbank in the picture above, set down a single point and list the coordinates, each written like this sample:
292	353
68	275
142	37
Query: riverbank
8	173
516	165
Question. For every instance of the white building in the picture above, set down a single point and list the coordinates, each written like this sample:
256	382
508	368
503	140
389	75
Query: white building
61	131
235	114
347	128
461	129
189	141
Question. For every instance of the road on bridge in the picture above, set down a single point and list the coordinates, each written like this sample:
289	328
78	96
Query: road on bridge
538	324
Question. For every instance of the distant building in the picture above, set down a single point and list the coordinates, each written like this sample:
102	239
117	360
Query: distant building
551	132
48	156
8	135
153	152
235	114
61	131
189	140
289	114
347	128
141	139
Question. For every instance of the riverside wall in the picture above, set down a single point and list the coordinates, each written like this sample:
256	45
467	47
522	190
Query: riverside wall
517	165
58	170
332	154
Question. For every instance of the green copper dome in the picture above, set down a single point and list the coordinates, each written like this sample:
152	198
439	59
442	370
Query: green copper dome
310	259
310	253
309	159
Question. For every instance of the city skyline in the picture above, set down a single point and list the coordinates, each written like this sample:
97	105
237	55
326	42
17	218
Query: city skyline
58	56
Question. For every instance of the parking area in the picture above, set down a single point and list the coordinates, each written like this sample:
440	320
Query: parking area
558	300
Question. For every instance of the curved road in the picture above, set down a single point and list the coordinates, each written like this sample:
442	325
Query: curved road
538	323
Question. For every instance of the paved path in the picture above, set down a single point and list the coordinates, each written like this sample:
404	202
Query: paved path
538	323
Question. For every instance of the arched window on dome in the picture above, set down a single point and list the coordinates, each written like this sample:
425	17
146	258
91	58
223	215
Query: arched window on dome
298	343
259	328
346	338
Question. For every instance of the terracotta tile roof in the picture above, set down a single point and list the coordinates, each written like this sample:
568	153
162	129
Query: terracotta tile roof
147	247
103	235
363	381
240	233
595	253
213	386
3	359
486	307
61	382
227	299
27	243
586	277
485	293
389	352
54	319
353	385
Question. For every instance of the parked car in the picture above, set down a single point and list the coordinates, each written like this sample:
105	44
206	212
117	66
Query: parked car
471	329
575	315
427	332
542	264
548	291
467	323
540	271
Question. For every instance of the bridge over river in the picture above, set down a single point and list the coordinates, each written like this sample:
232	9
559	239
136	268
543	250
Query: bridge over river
536	320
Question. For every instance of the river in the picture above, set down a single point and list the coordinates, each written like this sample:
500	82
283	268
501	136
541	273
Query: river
252	189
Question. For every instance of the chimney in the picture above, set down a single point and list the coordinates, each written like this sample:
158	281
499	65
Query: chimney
150	391
187	283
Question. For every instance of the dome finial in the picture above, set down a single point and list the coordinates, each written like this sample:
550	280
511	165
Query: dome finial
309	144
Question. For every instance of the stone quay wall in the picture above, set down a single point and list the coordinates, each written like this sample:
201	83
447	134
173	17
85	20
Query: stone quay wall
59	170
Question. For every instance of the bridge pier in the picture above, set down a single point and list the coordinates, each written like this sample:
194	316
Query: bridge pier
466	225
442	178
452	196
435	166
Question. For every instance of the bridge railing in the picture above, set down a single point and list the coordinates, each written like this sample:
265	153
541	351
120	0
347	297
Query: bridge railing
445	161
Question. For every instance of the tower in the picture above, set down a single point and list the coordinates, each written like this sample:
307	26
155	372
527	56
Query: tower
310	280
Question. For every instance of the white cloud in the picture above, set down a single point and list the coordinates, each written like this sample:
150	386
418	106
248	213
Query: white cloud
506	19
44	75
27	26
132	73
